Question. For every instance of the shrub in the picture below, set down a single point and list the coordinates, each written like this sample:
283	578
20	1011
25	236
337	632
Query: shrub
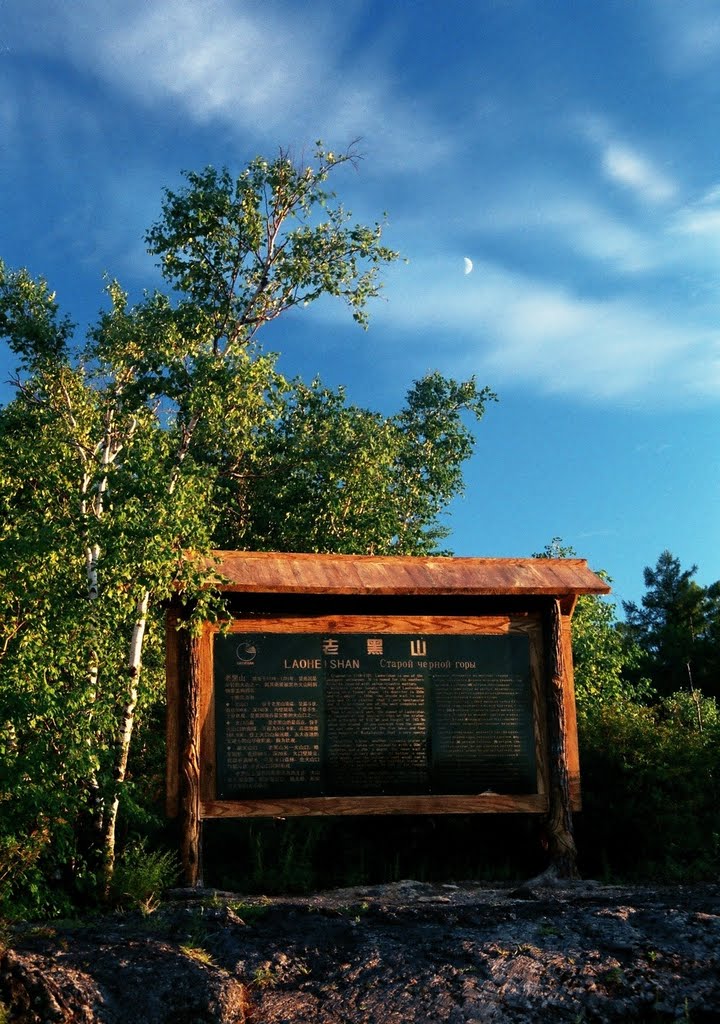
650	781
142	875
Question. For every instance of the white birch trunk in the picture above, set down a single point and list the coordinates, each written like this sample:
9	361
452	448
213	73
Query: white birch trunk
127	719
108	448
127	723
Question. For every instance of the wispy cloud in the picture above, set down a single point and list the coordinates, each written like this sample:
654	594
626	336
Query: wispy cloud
575	222
652	447
267	72
626	163
579	318
219	61
513	327
702	218
629	168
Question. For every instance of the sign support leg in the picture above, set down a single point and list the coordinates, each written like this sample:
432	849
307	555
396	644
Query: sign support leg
190	759
563	854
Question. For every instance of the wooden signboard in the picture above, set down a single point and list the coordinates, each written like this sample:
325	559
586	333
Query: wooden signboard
361	685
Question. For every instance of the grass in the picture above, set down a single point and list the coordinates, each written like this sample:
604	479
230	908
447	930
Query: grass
265	977
199	955
142	875
249	912
548	930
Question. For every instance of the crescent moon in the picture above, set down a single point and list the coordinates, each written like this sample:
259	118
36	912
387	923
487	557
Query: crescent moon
468	265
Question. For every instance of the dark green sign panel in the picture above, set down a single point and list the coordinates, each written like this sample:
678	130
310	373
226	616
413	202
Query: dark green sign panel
352	714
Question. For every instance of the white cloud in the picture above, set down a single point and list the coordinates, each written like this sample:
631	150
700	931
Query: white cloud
595	233
219	61
711	197
624	163
627	167
700	222
513	327
575	223
702	218
270	72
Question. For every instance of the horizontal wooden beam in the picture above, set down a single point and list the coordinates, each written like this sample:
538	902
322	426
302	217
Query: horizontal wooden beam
472	625
483	803
270	572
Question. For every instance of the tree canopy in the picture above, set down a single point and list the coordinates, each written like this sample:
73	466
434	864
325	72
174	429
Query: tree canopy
165	431
676	627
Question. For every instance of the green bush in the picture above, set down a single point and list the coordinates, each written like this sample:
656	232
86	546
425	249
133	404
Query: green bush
141	876
650	789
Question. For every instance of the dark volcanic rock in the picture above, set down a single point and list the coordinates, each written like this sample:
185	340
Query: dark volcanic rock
399	954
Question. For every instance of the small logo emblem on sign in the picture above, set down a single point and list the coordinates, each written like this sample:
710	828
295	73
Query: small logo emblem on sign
246	653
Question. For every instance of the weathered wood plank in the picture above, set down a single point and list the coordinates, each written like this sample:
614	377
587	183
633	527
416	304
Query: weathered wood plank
485	803
206	718
537	666
572	752
191	674
560	827
274	572
172	720
431	624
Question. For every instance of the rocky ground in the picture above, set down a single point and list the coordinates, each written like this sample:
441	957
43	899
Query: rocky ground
408	953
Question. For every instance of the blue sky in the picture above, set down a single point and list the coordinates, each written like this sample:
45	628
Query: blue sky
570	150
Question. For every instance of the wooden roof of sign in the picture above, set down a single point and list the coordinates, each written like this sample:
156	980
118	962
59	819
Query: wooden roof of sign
274	572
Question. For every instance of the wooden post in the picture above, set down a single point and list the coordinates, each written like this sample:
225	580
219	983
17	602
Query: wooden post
563	854
173	713
190	756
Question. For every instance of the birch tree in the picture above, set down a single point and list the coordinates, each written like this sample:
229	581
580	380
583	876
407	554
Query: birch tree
165	431
123	410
